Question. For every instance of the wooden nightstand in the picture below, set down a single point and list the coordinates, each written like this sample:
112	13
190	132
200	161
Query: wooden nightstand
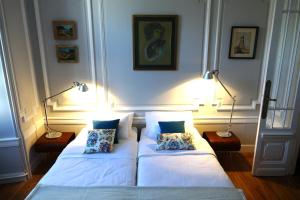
44	144
218	143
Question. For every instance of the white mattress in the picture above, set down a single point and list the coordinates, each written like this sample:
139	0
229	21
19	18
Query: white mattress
179	168
73	168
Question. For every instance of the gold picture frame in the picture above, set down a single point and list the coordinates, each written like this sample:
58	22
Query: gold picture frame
64	30
67	54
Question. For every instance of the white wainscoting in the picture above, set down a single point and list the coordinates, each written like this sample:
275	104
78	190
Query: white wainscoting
141	120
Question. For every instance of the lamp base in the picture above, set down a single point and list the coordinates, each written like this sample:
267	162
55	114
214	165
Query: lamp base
53	134
224	134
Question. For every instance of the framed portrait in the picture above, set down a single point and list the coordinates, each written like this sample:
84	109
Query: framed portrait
67	54
155	42
243	42
64	30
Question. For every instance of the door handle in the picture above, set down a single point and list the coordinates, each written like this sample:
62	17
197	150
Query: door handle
269	99
266	99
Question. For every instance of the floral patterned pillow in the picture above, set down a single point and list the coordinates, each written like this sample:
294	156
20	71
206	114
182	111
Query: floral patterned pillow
175	141
100	140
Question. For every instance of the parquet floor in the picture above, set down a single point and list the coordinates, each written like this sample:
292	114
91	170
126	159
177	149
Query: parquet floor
237	166
19	191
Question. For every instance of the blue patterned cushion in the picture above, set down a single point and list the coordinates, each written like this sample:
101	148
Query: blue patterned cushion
175	141
109	124
100	140
172	127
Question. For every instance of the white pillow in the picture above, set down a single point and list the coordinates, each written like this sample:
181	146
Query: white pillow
152	119
125	123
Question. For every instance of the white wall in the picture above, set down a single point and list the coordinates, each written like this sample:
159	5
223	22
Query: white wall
105	48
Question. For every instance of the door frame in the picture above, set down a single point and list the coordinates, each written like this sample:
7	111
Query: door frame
12	93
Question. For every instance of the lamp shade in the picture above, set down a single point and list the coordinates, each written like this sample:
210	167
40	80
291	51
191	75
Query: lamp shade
83	87
208	75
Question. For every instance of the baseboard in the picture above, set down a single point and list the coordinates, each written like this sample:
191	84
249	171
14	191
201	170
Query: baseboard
13	177
270	172
247	148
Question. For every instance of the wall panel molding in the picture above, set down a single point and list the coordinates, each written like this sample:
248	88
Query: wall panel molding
170	107
31	65
102	53
216	60
9	142
206	35
205	62
91	55
216	64
97	56
198	120
252	106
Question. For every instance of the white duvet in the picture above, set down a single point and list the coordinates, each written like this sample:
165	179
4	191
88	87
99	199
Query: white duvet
73	168
179	168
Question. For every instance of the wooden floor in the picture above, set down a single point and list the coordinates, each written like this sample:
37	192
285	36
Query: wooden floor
20	190
237	166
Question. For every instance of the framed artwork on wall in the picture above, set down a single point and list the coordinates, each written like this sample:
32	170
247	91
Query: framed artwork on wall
243	42
155	42
67	54
64	30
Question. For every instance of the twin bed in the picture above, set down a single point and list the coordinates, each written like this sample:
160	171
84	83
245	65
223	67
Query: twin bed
134	164
74	168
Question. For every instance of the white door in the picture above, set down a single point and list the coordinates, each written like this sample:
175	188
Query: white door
277	142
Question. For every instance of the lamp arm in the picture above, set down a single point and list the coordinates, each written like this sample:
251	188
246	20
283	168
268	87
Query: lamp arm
45	103
231	114
59	93
216	73
45	111
217	77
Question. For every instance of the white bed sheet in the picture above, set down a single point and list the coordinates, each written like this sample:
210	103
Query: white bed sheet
73	168
179	168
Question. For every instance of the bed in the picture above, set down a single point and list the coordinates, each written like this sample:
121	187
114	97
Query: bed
73	168
177	168
165	175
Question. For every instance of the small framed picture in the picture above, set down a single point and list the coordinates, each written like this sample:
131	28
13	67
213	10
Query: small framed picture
67	54
64	30
154	42
243	42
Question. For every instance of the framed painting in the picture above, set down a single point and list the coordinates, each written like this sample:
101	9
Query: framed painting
64	30
155	42
243	42
67	54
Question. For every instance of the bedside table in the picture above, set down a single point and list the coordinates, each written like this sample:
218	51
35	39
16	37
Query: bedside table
44	144
218	143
